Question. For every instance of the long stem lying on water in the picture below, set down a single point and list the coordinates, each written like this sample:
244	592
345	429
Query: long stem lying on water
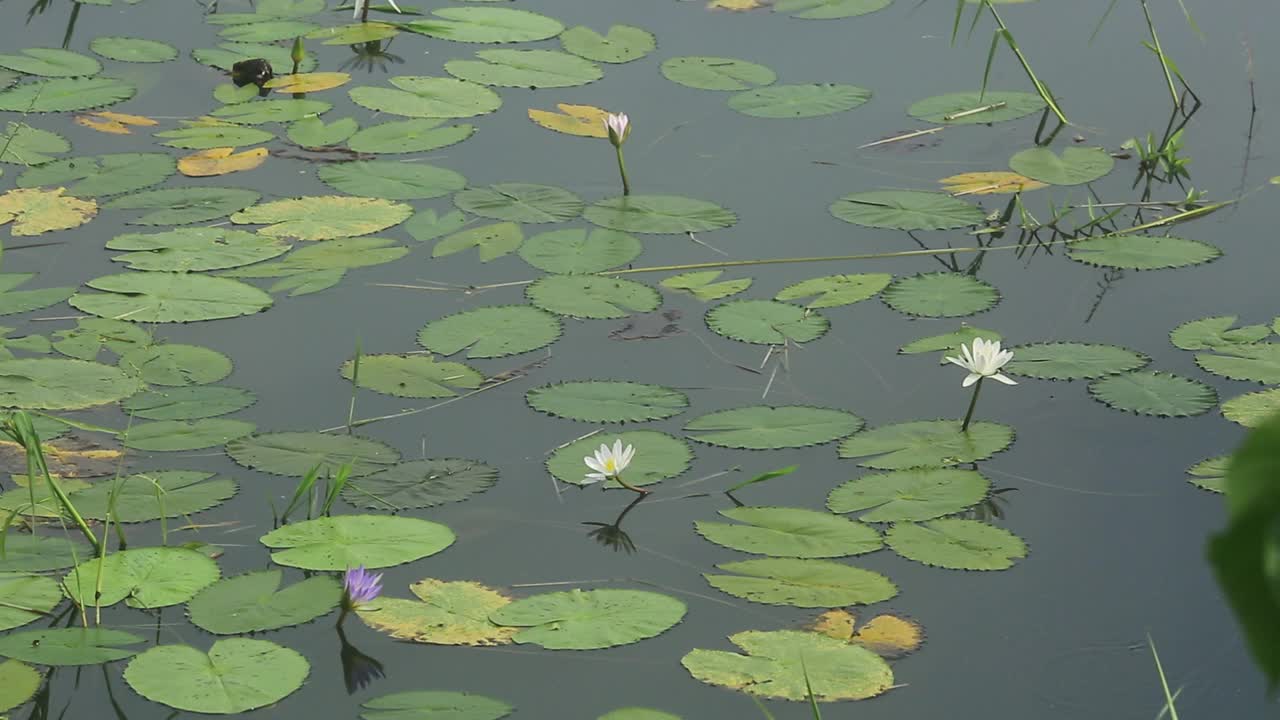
622	170
973	403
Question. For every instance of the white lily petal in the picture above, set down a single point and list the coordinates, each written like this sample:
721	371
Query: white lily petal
617	451
1004	379
971	379
594	464
394	5
627	454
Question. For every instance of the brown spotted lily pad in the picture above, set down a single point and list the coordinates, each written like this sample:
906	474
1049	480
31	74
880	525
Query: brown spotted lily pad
446	613
33	211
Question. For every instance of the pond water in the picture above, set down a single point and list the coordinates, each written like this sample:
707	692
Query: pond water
1115	535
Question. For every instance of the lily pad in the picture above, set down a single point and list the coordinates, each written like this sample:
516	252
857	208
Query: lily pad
491	332
17	301
51	62
829	9
802	583
1073	360
1150	392
763	427
195	249
445	613
347	541
255	602
428	97
25	599
227	680
420	484
530	69
919	494
183	206
599	401
790	532
1257	363
18	683
312	132
33	211
492	241
69	646
415	375
956	108
907	210
793	665
948	342
836	290
265	31
590	619
176	364
659	214
577	251
56	384
1142	252
486	25
432	704
1076	165
1213	333
340	254
214	135
658	457
957	544
153	495
766	322
928	443
38	553
391	180
621	44
102	175
520	202
187	403
131	49
65	94
324	217
26	145
150	577
592	296
716	73
227	54
155	297
174	435
941	294
427	224
701	285
404	136
1252	409
1210	474
799	101
295	453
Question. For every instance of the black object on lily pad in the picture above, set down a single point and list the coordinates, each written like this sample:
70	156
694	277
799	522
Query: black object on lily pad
257	71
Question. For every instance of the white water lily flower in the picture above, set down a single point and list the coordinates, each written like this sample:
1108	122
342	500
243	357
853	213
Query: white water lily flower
609	462
619	127
361	3
984	359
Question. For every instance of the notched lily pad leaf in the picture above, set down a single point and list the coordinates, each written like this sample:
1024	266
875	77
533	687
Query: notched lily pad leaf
607	401
295	453
1076	165
581	120
621	44
764	427
1212	333
1257	363
716	73
1142	252
1210	474
659	214
428	704
491	332
228	680
1150	392
64	94
255	602
701	285
1252	409
520	202
486	25
152	495
164	297
57	384
929	443
799	101
492	241
941	294
948	343
918	494
802	583
658	457
428	97
415	375
33	211
420	484
347	541
24	599
836	290
790	532
592	296
445	613
69	646
957	544
220	161
972	108
530	69
324	217
989	183
1073	360
146	578
766	322
18	684
578	251
590	619
829	9
183	206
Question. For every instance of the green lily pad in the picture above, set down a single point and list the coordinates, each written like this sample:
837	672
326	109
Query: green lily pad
701	285
391	179
1073	361
91	335
187	403
428	97
207	136
406	136
56	384
266	31
195	249
354	34
312	132
102	175
18	301
1142	252
492	241
802	583
51	62
155	297
150	577
766	322
324	217
25	599
1076	165
427	224
621	44
948	342
927	443
1007	106
957	544
1257	363
836	290
1212	333
153	495
907	210
176	364
131	49
660	214
716	73
1252	409
339	254
940	294
18	683
173	435
590	619
347	541
227	680
1210	474
790	532
227	54
578	251
491	332
39	553
530	69
69	646
658	457
829	9
415	376
268	111
420	484
26	145
66	94
486	25
295	453
255	602
1150	392
183	206
919	494
434	705
600	401
520	202
793	665
763	427
592	296
799	101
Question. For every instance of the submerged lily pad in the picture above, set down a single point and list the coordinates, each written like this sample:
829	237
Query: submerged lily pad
919	494
520	202
491	332
413	375
802	583
25	599
69	646
790	532
420	484
445	613
621	44
799	101
906	210
592	296
929	443
659	214
957	544
1073	360
227	680
1076	165
324	217
57	384
658	457
428	97
347	541
764	427
429	704
530	69
486	25
607	401
793	665
295	453
255	602
1142	252
590	619
150	577
1150	392
766	322
577	251
155	297
957	108
716	73
940	294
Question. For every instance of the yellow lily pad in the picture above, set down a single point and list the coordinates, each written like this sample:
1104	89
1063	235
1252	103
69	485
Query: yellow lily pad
995	182
888	636
221	161
69	457
450	613
33	211
308	82
580	120
113	123
735	5
836	624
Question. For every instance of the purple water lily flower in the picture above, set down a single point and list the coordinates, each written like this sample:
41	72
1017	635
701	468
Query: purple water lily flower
360	586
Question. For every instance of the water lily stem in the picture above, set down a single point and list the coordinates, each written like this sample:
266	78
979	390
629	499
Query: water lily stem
618	478
622	169
342	614
973	403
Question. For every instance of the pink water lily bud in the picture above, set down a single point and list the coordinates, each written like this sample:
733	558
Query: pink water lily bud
619	127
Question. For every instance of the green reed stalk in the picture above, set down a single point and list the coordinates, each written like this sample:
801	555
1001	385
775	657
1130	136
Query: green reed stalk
1159	51
1041	88
355	386
336	486
19	428
1164	682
